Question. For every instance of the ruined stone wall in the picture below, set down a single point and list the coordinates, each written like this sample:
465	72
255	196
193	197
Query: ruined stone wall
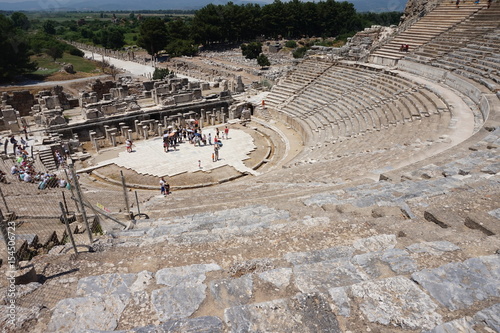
22	101
101	88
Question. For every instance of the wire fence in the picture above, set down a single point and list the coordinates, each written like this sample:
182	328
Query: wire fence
44	210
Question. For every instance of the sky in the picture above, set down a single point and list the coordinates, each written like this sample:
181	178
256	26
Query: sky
361	5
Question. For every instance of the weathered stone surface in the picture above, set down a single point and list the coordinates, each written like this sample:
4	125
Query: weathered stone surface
106	284
489	317
396	301
232	292
179	301
483	222
462	325
299	258
444	219
375	243
399	261
143	280
195	325
279	277
177	275
340	299
495	213
305	313
82	313
491	169
325	275
434	248
21	315
459	285
373	263
387	211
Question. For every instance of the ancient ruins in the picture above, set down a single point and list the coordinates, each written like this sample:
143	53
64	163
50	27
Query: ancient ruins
359	194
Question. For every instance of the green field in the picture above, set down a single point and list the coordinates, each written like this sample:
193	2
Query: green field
49	66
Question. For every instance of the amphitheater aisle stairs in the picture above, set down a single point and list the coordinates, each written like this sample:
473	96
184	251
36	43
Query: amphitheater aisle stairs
444	17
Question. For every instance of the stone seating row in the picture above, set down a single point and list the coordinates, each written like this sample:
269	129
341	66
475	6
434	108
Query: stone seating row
343	119
330	109
306	71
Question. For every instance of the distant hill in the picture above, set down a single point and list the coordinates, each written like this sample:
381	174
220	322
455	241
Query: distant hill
123	5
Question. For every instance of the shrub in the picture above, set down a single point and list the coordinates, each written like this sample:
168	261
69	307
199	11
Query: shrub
291	44
160	73
76	52
300	52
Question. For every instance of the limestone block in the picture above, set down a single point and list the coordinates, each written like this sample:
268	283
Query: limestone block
306	313
460	285
398	302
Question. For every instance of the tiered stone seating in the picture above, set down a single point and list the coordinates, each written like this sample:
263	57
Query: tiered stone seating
348	101
306	72
442	18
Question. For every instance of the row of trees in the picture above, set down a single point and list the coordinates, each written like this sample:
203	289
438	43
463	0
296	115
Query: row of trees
229	23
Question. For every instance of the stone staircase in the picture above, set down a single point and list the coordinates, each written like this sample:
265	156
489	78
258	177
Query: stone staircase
47	158
443	18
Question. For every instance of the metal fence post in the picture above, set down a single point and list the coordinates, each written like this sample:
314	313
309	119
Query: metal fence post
125	195
4	201
80	201
71	189
68	229
10	241
137	203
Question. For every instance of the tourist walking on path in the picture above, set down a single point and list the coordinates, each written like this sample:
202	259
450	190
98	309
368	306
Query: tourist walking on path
128	144
226	132
13	141
215	155
163	190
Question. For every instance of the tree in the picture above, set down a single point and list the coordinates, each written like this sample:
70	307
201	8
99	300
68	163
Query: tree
251	50
160	73
263	61
49	27
55	50
20	20
207	25
180	47
14	57
114	39
152	35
